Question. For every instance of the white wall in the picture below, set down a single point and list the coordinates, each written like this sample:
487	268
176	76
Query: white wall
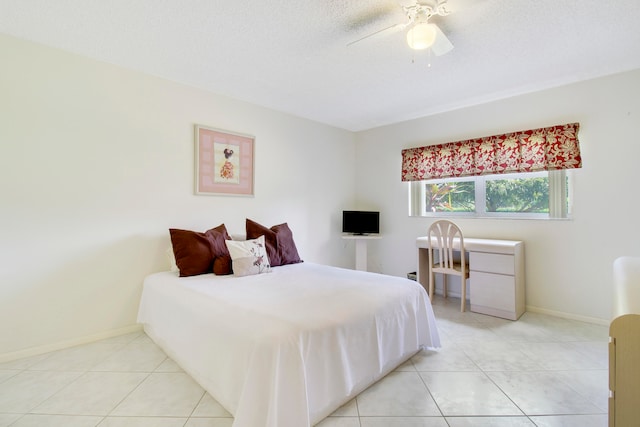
568	263
97	162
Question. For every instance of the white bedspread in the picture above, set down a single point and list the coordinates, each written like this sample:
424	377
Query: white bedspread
287	348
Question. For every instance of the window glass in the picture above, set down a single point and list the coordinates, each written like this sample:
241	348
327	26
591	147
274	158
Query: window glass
518	194
523	195
454	196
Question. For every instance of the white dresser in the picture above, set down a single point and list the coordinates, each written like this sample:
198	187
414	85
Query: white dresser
624	344
496	275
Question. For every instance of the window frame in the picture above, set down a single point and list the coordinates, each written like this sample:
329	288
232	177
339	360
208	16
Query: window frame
560	208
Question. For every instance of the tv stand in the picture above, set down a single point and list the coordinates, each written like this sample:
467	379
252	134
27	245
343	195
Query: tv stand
361	248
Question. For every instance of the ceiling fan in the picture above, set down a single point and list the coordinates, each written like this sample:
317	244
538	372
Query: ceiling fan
422	34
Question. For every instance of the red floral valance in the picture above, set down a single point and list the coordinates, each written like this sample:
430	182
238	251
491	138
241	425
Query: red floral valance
550	148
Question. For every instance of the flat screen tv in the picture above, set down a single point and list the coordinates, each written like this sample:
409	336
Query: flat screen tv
360	222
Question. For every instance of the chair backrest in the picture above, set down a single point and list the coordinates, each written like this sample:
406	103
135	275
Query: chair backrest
444	233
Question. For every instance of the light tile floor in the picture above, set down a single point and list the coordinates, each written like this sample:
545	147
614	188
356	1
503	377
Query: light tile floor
537	371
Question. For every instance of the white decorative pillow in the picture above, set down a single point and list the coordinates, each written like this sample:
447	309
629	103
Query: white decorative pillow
172	260
248	257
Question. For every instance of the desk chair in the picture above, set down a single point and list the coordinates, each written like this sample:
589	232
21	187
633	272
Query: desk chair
441	237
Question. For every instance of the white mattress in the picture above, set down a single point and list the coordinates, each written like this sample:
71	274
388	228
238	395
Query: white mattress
287	348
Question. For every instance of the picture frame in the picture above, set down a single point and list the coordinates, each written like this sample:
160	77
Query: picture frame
224	162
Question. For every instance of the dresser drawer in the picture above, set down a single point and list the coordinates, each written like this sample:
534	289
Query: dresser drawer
492	263
493	290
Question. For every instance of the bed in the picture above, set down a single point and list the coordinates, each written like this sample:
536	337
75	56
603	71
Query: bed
288	347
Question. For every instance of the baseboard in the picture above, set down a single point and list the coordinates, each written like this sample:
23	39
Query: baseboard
34	351
533	309
569	316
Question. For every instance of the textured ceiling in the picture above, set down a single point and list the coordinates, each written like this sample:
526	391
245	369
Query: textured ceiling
292	55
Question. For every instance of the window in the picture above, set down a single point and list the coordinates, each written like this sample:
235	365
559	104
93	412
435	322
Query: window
521	195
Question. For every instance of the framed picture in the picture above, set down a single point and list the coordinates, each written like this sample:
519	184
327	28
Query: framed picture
224	162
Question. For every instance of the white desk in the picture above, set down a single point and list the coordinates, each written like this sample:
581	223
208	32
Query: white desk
496	275
361	248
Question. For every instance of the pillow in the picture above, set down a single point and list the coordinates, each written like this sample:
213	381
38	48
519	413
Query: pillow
195	252
248	257
173	267
221	257
279	240
222	265
286	246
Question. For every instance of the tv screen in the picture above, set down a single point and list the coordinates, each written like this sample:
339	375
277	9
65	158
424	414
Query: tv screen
361	222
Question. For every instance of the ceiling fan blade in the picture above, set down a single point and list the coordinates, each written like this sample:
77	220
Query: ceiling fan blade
380	33
442	44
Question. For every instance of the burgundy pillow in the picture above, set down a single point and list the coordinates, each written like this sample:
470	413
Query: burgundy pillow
222	265
223	230
255	230
286	246
221	257
195	252
281	248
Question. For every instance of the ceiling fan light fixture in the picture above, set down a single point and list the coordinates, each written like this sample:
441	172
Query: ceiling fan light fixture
421	36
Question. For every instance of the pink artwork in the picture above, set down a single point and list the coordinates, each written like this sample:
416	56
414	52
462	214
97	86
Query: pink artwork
224	162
